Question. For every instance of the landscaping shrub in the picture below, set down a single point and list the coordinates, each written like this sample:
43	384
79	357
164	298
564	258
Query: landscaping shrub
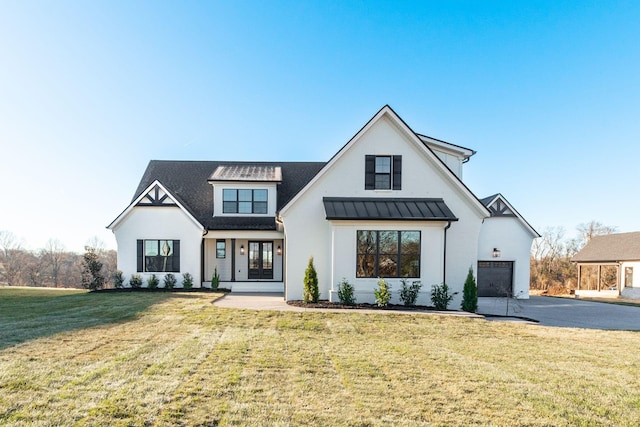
118	279
345	293
187	281
440	296
135	281
409	293
92	277
383	293
470	293
215	279
311	292
170	281
152	282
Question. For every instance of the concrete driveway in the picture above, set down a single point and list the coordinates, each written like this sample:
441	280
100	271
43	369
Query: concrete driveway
565	312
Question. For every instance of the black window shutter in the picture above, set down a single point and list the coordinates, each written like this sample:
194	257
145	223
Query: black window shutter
140	255
176	255
369	172
397	172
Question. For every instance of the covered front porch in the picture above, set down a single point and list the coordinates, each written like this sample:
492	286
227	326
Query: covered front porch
244	261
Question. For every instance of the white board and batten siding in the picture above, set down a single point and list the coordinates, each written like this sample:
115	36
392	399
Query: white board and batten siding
158	223
513	240
333	246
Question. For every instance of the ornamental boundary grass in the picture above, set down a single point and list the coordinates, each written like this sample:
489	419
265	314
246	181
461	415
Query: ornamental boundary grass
176	359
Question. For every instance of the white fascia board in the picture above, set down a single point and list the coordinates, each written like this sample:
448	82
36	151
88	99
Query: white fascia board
388	111
523	221
142	195
456	150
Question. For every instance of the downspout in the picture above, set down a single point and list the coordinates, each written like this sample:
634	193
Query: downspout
444	254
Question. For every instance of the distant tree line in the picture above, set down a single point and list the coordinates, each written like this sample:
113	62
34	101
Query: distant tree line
551	266
52	266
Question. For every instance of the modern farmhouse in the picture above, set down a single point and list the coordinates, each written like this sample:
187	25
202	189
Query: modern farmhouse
390	203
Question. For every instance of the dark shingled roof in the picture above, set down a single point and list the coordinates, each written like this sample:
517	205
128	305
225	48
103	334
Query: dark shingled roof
344	208
187	182
611	248
489	199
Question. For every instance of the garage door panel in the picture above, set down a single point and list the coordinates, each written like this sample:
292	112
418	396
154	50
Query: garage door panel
495	278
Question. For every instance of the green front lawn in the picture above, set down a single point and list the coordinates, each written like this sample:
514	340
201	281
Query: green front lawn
174	359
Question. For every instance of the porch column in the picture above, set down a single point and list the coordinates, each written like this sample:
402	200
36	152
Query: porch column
599	275
579	275
233	260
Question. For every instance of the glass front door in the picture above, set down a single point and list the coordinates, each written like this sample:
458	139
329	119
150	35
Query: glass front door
260	260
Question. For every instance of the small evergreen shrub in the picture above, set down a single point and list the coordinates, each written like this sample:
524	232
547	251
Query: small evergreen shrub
409	293
152	282
382	293
118	279
470	293
440	296
345	293
92	277
170	281
215	279
135	281
187	281
311	293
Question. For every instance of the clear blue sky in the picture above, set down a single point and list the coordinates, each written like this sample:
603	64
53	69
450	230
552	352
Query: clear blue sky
547	93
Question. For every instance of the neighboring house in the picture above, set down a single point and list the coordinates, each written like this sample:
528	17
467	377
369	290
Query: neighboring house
390	203
622	251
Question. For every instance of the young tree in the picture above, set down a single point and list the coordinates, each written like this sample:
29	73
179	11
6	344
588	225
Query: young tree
311	292
470	293
92	277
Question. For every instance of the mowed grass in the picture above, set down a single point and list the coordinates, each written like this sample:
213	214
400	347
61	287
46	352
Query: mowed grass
175	359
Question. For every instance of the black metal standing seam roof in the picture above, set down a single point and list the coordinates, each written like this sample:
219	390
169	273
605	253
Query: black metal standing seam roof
346	208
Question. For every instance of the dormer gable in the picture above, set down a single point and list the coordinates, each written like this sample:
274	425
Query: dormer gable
247	173
245	189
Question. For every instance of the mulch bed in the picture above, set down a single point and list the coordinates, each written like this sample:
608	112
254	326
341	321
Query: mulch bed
117	290
360	306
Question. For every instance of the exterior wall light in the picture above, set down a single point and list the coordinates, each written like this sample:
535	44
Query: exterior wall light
279	250
496	253
241	249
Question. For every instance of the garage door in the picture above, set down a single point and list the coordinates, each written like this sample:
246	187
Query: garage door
495	278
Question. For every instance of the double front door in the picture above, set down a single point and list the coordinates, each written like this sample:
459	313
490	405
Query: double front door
260	260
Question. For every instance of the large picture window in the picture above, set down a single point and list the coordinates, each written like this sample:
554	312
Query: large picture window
158	256
388	254
244	201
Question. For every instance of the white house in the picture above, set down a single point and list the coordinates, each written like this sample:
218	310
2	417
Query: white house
390	203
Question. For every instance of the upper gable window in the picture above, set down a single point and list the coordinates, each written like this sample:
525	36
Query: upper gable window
244	201
383	172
